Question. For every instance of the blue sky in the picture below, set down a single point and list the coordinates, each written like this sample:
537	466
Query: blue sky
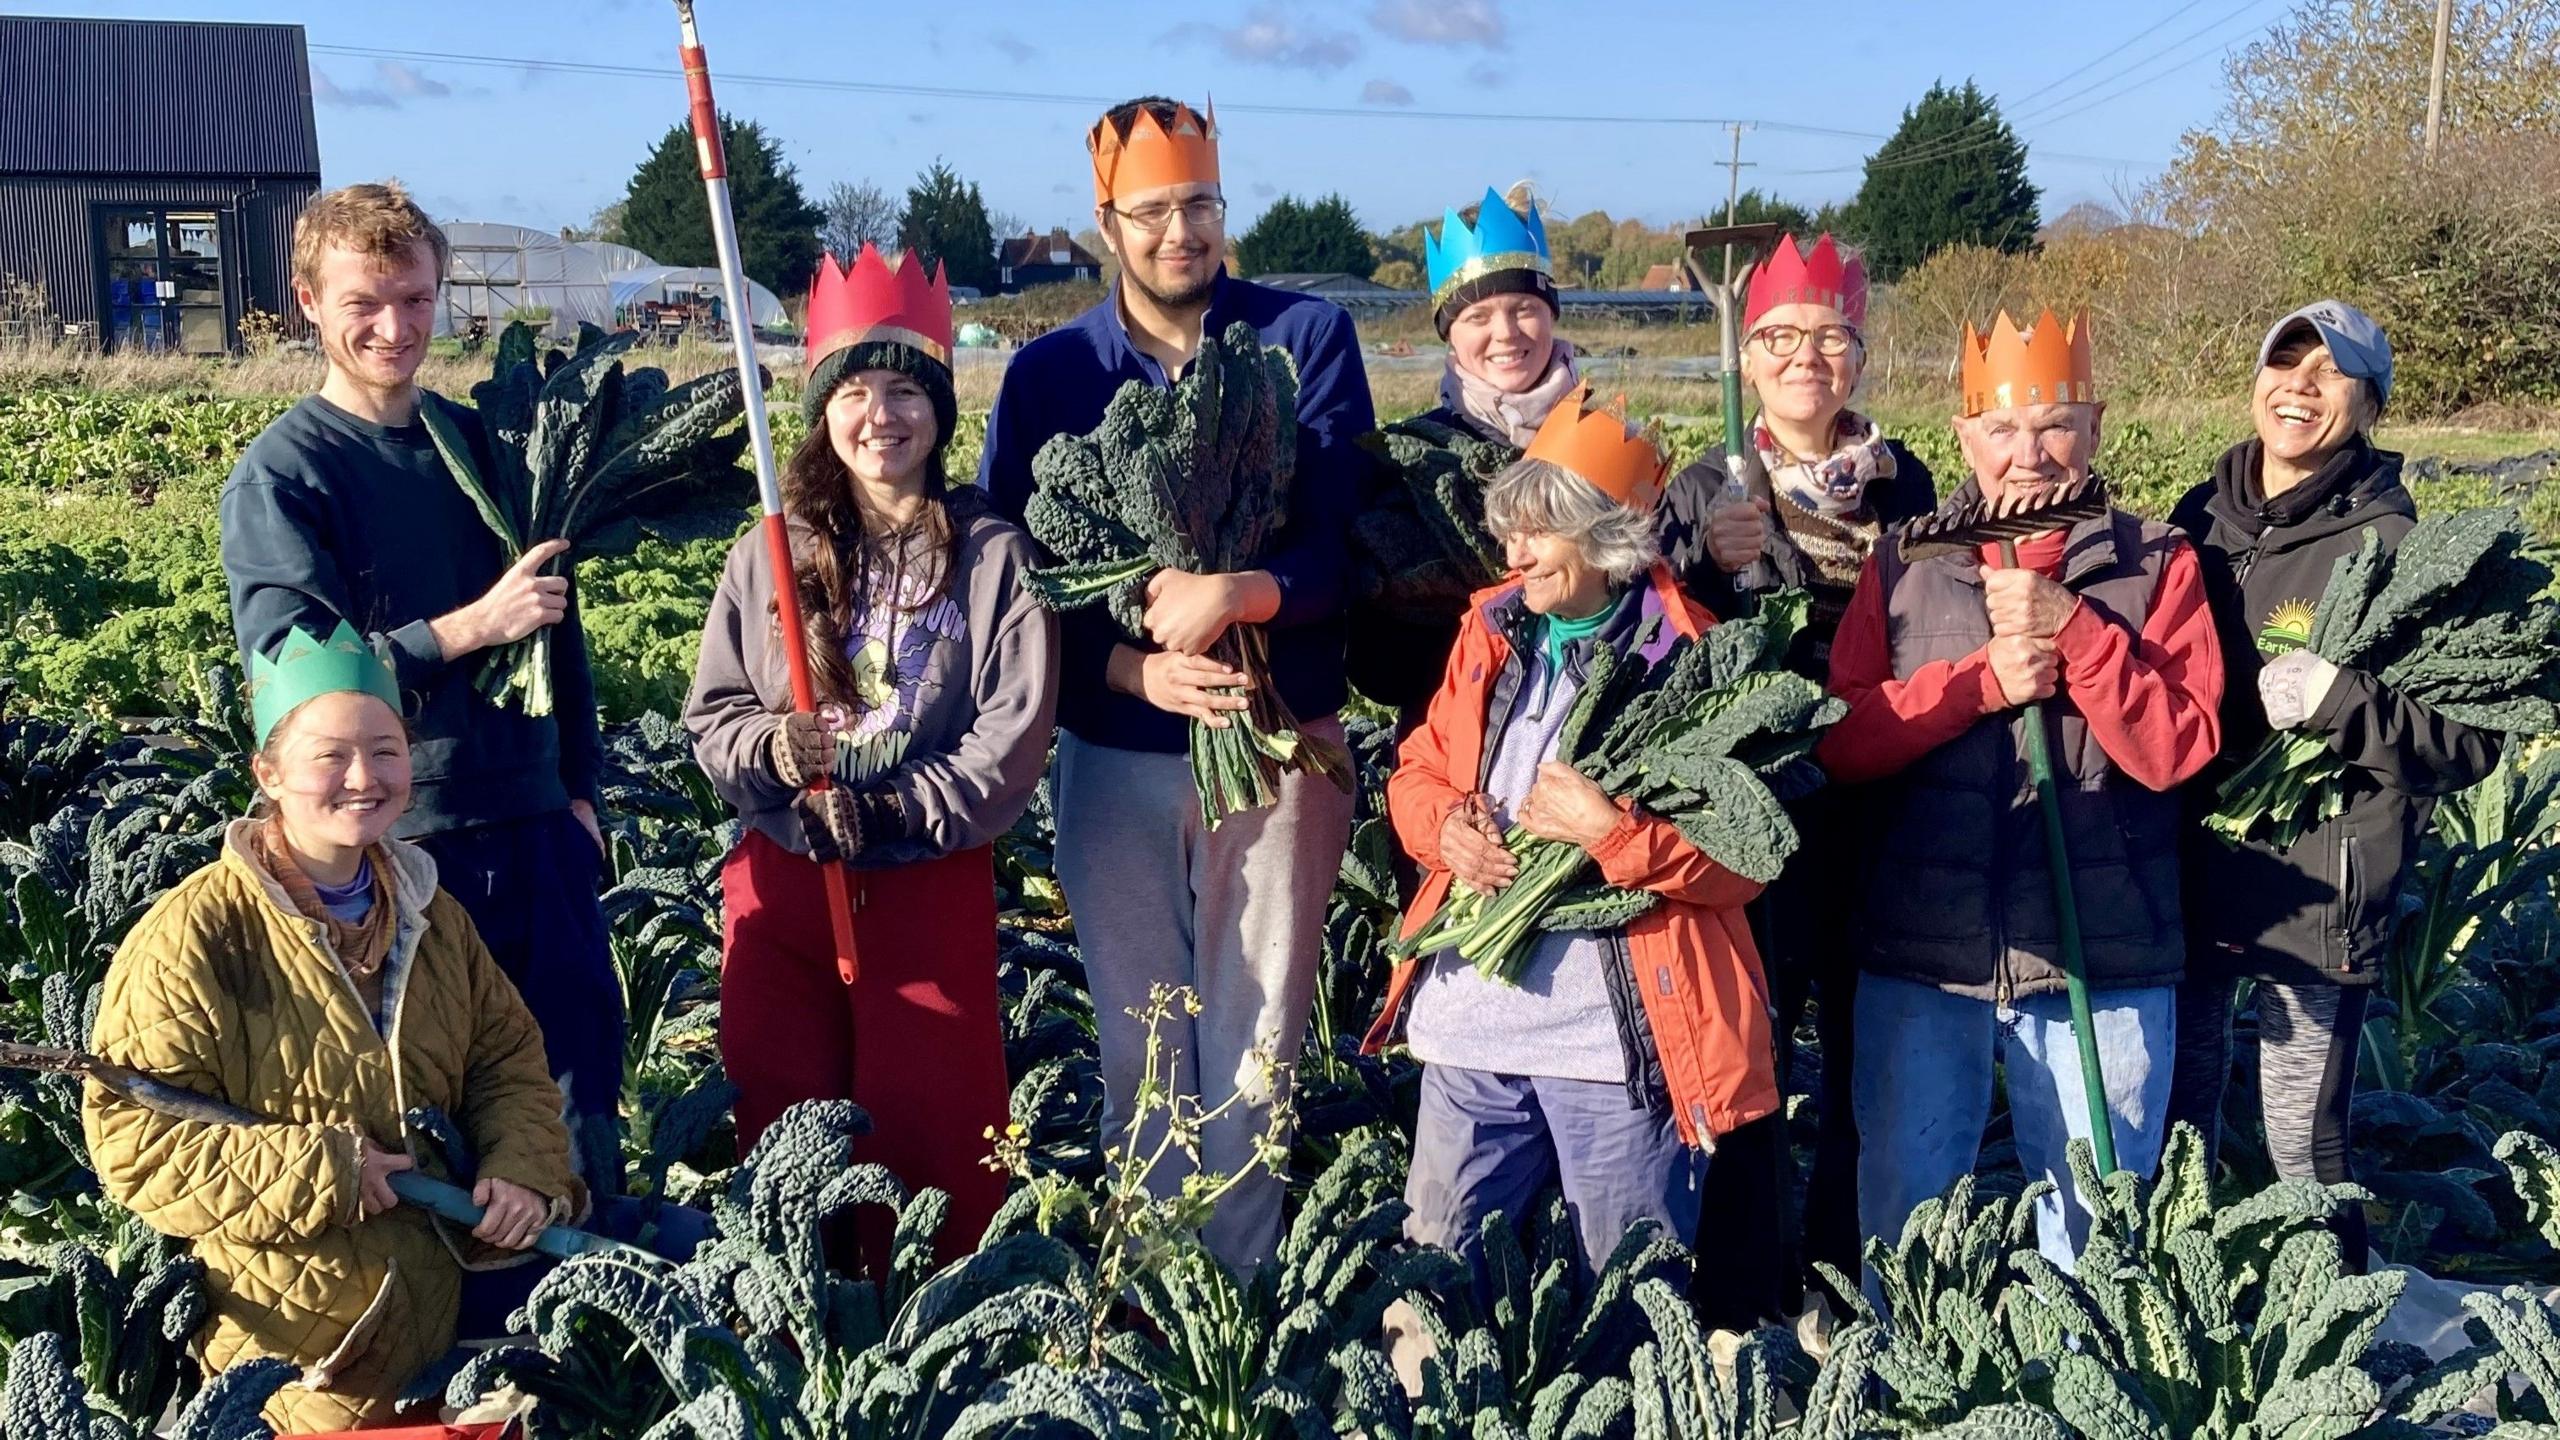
537	145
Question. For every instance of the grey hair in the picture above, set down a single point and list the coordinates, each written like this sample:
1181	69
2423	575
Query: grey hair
1540	497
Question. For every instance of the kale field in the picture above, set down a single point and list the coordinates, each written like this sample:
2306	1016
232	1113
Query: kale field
2207	1305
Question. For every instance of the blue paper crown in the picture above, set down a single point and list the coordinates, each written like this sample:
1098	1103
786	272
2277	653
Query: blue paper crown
1499	240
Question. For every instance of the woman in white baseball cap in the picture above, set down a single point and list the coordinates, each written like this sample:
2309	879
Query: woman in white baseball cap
2310	921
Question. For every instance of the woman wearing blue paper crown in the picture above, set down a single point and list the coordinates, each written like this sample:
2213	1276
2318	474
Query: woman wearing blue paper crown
314	974
1421	545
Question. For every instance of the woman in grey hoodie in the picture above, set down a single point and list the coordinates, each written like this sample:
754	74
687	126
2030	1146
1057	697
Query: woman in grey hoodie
936	671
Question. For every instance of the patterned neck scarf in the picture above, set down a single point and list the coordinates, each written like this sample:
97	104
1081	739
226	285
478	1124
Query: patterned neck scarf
361	947
1515	418
1834	484
1822	505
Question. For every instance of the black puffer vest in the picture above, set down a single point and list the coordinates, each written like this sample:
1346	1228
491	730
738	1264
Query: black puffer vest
1961	894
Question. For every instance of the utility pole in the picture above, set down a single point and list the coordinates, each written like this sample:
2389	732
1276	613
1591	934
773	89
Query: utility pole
1733	192
2435	74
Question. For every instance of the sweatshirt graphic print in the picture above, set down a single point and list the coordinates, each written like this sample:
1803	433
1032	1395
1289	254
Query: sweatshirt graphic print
890	648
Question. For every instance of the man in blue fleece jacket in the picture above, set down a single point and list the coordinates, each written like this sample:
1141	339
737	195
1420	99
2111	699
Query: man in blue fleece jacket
342	510
1235	913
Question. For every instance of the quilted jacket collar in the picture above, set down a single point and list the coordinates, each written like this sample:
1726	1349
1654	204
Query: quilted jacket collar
413	889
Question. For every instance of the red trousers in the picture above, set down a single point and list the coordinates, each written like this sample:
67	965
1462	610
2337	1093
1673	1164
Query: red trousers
917	1040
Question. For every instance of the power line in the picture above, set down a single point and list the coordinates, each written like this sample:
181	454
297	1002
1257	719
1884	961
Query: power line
1962	141
2105	55
1096	102
2055	117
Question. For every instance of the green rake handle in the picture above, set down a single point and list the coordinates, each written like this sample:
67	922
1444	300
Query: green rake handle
2066	908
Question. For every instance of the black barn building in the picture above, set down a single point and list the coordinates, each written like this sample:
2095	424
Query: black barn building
150	174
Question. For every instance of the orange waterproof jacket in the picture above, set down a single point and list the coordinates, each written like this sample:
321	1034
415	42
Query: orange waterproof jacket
1705	999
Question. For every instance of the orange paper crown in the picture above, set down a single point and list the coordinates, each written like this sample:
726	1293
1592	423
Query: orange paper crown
1819	276
876	300
1626	462
2045	364
1154	155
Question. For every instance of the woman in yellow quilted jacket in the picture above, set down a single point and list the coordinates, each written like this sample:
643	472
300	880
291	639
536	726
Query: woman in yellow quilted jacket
315	975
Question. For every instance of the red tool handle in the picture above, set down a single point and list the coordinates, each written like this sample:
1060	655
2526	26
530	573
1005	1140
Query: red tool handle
724	234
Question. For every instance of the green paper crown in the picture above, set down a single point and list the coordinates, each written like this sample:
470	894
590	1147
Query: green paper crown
305	668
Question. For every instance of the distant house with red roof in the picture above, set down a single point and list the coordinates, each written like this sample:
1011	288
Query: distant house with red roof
1036	259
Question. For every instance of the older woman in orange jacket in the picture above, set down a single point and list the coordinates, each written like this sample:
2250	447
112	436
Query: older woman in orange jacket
1619	1055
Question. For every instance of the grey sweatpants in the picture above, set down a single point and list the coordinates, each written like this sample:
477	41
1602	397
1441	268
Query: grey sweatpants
1235	913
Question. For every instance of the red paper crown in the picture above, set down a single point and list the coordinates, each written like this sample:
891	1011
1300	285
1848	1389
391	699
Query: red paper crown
876	300
2048	363
1821	276
1623	461
1154	155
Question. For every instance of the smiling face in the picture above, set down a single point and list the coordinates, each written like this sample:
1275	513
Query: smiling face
1806	388
337	773
1507	341
2024	451
881	425
373	315
1176	266
2304	406
1556	578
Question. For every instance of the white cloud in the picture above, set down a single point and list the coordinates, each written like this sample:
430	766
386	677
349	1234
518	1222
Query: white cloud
407	83
1014	47
330	92
1385	92
1485	75
1268	35
1442	22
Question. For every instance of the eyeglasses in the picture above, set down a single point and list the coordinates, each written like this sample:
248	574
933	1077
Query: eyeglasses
1782	341
1199	213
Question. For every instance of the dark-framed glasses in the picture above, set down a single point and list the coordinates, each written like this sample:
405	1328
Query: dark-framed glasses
1782	341
1200	212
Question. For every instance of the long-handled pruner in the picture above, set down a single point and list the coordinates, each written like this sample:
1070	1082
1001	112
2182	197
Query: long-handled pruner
1965	529
777	531
1745	477
423	1191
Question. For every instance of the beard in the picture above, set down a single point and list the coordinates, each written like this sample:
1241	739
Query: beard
1189	297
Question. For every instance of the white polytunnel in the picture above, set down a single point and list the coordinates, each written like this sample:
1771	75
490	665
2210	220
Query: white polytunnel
613	257
680	284
499	271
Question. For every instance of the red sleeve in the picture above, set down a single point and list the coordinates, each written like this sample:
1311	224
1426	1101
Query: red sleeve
1892	723
2153	701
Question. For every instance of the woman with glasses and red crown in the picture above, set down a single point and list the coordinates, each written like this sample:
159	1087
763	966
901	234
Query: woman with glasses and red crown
1836	481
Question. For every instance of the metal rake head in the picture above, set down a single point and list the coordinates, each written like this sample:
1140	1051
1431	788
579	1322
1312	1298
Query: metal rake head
1963	528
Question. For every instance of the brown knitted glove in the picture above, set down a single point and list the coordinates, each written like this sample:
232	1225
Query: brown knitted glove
803	748
832	819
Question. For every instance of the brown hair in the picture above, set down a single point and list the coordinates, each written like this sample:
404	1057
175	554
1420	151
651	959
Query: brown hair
818	491
270	750
1125	114
376	220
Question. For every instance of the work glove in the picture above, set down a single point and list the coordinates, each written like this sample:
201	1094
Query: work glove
832	819
803	748
2291	687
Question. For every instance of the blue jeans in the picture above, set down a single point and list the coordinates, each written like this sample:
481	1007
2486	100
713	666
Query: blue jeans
1485	1142
1923	1093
